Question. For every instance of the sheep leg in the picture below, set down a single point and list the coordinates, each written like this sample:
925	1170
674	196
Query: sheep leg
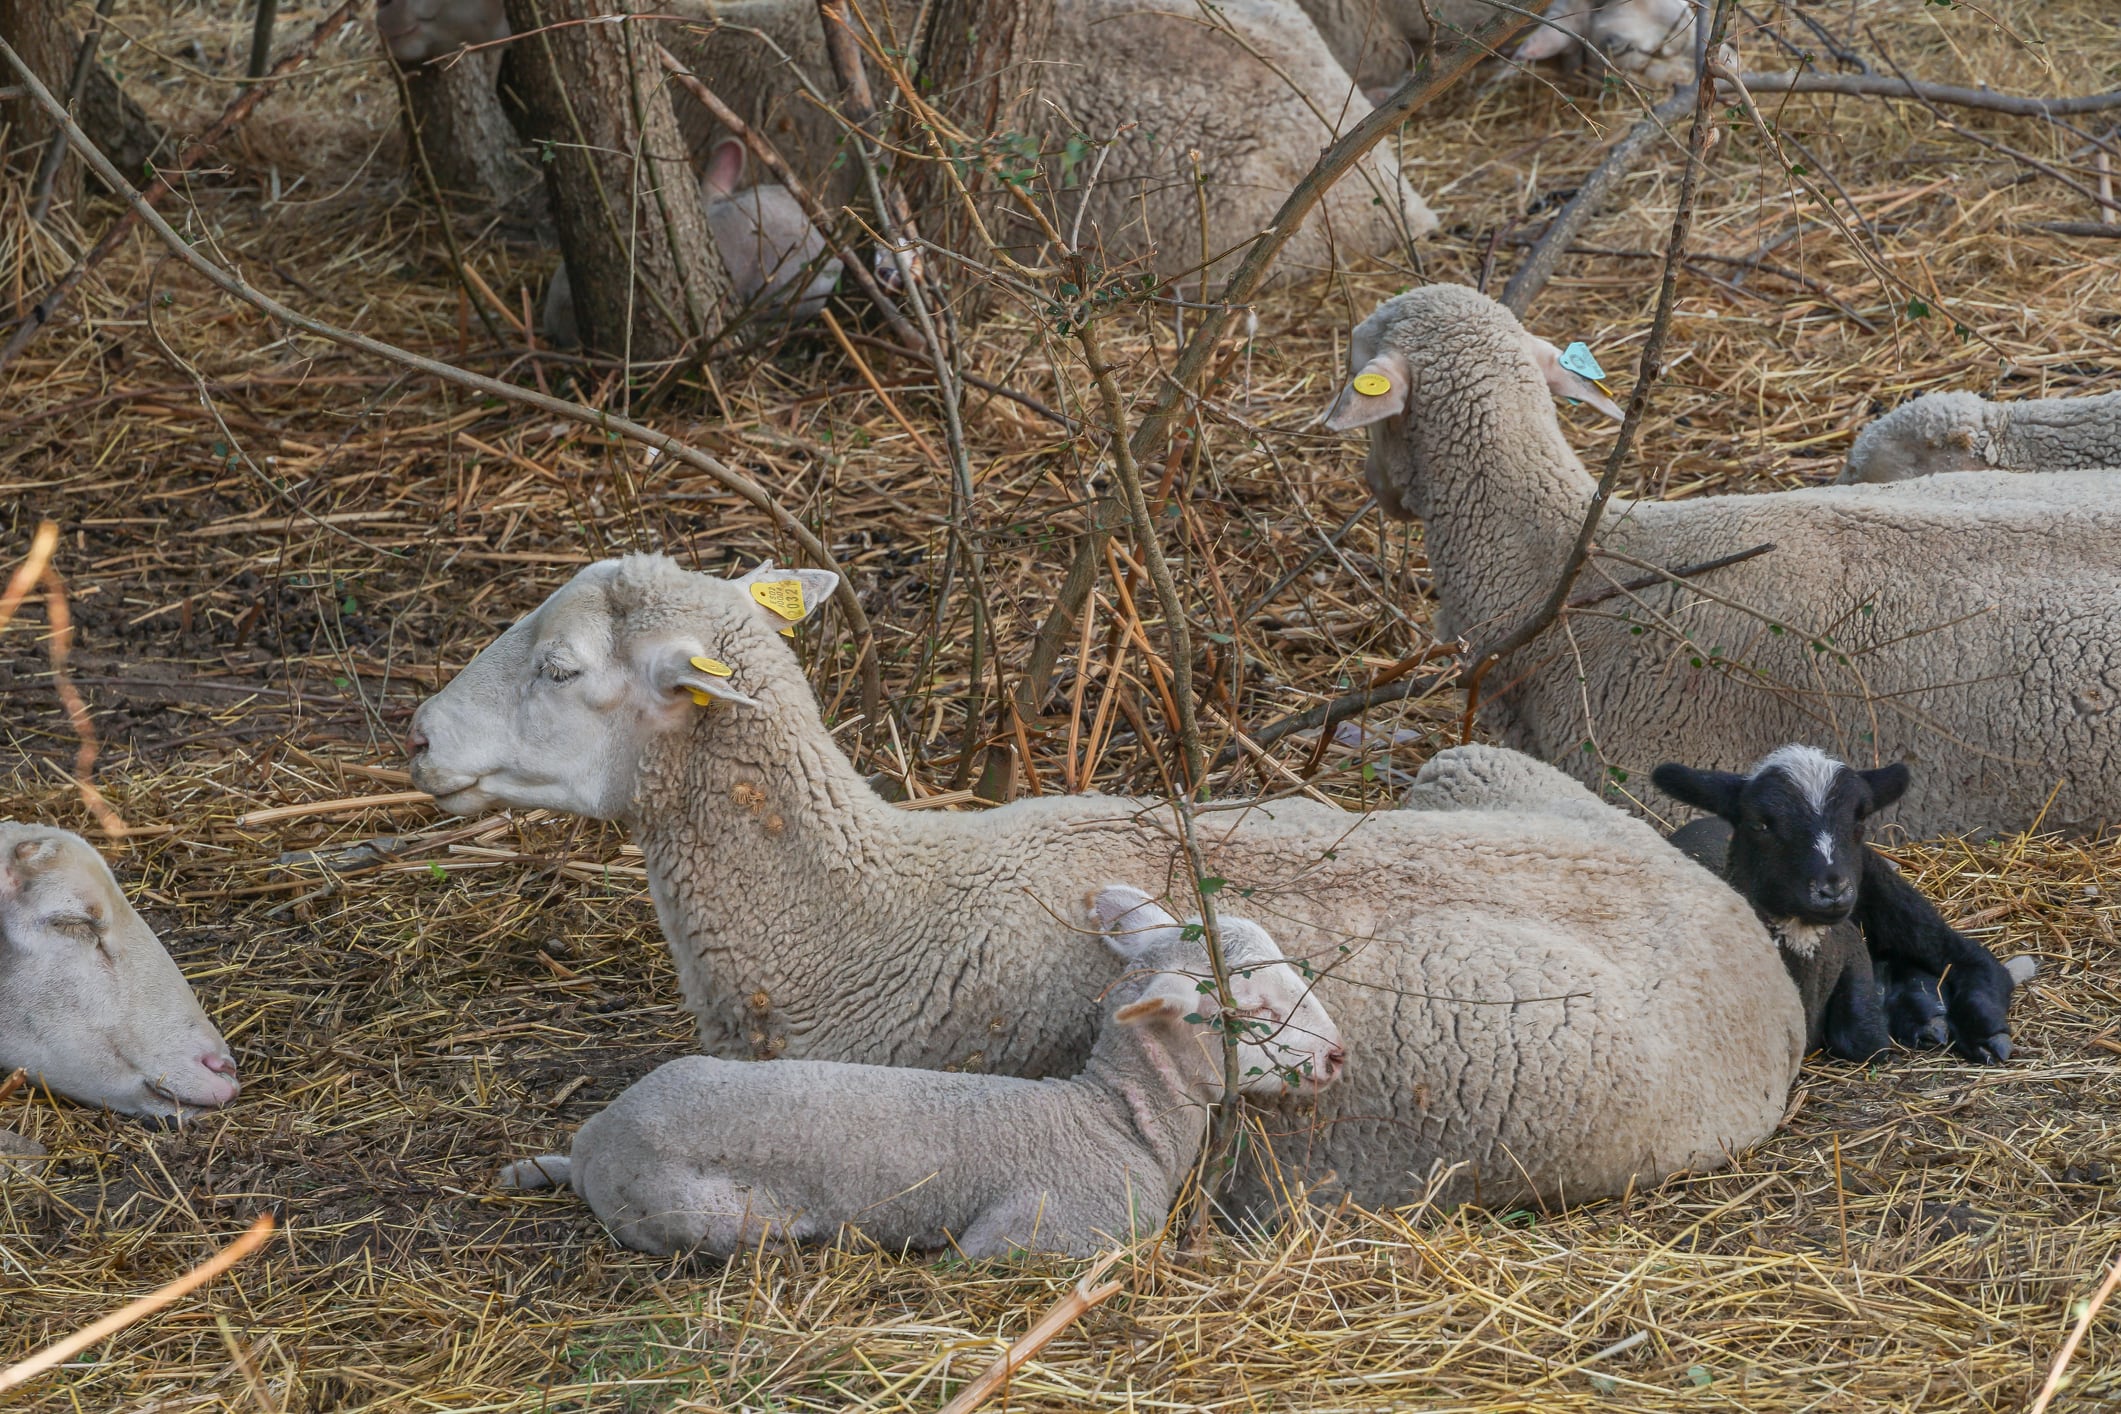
1855	1028
1914	1009
1032	1221
544	1171
1900	924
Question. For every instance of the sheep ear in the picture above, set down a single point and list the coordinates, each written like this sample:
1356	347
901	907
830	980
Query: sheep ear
1566	383
1377	391
1549	40
1128	918
725	167
1887	784
1714	791
787	597
1171	997
680	669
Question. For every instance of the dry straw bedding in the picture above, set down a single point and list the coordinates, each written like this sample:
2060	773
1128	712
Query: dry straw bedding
406	1019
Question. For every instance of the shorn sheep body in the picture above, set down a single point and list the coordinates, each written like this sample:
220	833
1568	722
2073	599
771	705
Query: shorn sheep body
718	1156
1788	835
1561	1009
1966	432
1963	624
92	1006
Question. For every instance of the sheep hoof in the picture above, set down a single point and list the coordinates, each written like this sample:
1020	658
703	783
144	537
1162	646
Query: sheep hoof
1994	1050
528	1175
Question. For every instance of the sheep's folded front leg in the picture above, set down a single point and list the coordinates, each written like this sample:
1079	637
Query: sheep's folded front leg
1900	924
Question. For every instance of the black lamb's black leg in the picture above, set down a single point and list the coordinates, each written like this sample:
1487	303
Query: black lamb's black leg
1855	1026
1900	924
1914	1009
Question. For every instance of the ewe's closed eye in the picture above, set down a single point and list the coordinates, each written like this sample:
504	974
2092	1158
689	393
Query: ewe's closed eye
559	672
80	927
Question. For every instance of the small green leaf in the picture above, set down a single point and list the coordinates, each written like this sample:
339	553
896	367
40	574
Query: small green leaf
1212	885
1700	1375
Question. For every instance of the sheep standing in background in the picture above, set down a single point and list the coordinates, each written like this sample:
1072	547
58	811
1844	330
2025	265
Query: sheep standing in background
1966	432
766	243
1558	1051
91	1006
1965	623
1791	832
717	1156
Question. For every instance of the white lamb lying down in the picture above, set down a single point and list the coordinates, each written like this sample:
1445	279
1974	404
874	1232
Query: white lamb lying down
91	1005
717	1156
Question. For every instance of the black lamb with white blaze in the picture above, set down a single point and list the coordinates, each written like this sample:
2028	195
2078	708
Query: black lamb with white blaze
1793	834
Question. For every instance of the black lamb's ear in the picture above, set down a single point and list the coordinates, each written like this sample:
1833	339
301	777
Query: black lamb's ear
1713	791
1886	784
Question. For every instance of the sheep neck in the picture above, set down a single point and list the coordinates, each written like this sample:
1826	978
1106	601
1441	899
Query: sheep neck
1161	1086
1503	496
758	835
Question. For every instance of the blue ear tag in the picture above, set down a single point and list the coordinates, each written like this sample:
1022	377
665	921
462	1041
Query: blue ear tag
1579	360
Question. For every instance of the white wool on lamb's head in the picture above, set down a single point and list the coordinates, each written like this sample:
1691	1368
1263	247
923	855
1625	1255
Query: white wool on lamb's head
91	1005
1289	1042
554	713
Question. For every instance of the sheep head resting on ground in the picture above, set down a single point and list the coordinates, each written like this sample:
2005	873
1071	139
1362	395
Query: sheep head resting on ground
556	711
1286	1039
1940	432
1651	40
90	1003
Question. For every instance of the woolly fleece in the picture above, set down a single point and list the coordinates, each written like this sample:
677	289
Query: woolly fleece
1156	70
1979	614
1564	1010
1965	432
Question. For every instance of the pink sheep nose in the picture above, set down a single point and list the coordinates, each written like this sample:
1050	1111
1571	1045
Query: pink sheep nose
416	742
225	1067
1336	1061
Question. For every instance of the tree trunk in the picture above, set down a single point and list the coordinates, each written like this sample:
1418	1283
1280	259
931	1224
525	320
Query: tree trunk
453	115
39	32
979	69
647	279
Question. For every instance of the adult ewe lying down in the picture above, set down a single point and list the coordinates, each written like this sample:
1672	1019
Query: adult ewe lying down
1963	623
91	1006
1562	1009
1966	432
718	1155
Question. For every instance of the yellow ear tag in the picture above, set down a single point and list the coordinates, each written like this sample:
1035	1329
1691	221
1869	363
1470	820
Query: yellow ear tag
1372	385
783	597
712	668
699	698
